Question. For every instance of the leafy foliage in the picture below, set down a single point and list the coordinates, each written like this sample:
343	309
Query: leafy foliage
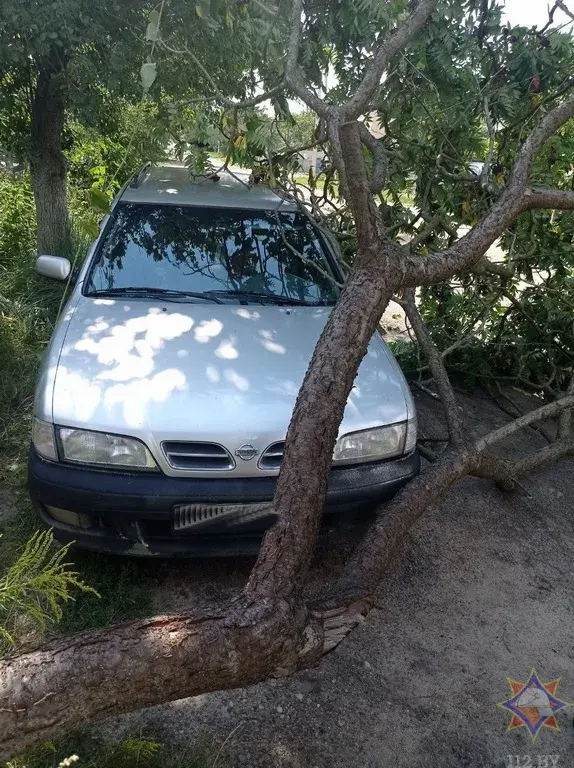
28	308
35	587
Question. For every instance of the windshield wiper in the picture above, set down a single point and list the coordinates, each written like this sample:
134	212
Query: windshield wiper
166	293
272	298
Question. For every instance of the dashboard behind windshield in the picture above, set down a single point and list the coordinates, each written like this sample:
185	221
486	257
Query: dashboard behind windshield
182	248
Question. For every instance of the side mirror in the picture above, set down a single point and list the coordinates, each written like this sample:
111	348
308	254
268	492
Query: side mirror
56	267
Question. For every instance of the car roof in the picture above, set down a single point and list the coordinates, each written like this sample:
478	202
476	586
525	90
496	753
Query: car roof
173	185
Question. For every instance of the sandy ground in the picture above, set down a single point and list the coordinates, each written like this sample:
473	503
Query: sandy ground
485	593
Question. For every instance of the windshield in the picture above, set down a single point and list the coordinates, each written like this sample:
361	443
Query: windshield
238	255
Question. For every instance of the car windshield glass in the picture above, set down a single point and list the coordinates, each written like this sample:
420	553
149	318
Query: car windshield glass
239	255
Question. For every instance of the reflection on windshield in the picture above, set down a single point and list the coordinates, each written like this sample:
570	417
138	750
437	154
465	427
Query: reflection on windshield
179	248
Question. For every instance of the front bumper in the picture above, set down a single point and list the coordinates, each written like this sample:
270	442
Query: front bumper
133	513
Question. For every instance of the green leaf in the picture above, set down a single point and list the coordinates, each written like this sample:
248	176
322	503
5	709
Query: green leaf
148	73
99	199
152	31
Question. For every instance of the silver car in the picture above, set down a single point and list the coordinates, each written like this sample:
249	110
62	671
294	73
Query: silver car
165	395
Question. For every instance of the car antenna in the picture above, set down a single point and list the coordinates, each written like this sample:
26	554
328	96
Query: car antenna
138	178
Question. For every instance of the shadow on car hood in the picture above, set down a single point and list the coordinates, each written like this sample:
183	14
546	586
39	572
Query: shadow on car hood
205	370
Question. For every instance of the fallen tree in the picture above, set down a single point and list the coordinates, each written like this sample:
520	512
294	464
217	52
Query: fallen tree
269	629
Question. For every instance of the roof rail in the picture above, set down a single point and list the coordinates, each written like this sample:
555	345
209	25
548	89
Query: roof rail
139	177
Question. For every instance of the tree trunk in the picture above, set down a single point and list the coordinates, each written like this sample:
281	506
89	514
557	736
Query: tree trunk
302	483
47	162
98	673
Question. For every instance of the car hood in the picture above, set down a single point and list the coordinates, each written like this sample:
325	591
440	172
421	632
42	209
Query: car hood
217	372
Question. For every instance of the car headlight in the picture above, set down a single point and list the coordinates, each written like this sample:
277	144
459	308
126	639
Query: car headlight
376	444
84	447
43	440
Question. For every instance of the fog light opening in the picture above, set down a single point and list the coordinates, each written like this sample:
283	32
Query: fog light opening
75	519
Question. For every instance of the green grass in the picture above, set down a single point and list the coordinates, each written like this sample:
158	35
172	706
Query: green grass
123	585
80	748
28	309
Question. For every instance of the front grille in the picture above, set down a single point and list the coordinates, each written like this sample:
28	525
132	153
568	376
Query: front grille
186	455
271	458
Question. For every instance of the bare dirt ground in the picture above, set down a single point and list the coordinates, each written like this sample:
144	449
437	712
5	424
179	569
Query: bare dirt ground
484	593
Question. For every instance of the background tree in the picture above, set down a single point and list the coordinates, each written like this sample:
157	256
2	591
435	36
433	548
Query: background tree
54	56
461	158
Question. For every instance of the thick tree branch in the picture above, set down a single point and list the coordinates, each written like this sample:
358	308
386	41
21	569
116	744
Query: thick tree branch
380	167
425	233
287	548
544	412
515	199
559	199
539	135
486	267
284	558
385	538
543	457
390	47
359	198
97	673
437	368
293	76
460	257
497	469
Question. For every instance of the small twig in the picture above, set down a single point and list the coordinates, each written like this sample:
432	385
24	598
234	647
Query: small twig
425	389
219	751
219	95
559	4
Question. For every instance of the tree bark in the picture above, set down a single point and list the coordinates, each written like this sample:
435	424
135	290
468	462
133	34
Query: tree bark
109	671
302	483
47	161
